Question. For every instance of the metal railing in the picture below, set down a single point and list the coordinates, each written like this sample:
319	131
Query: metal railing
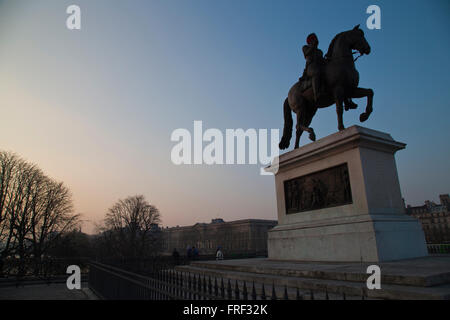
15	271
112	283
150	265
438	248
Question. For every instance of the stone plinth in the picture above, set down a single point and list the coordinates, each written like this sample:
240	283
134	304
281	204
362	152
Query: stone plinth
339	199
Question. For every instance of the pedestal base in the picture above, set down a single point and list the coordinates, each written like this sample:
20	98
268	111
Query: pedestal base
339	199
359	238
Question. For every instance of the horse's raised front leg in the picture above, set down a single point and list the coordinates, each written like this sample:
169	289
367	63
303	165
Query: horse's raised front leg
361	93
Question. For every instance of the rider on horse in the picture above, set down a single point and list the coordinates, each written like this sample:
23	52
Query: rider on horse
314	63
313	69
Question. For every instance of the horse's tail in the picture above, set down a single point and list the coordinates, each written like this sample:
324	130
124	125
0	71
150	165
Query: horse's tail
287	131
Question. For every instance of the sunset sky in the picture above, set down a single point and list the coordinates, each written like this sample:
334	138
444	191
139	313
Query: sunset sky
96	107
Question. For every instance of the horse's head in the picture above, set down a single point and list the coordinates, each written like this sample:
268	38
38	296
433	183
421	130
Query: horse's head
356	40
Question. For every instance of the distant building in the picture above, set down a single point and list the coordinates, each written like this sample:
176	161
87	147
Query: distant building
435	219
243	237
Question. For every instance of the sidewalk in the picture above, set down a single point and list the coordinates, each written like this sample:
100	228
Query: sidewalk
56	291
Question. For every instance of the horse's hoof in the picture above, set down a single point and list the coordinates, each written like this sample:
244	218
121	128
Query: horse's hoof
341	128
283	145
312	136
350	105
363	117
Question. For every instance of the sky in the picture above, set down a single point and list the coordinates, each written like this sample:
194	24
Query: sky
96	107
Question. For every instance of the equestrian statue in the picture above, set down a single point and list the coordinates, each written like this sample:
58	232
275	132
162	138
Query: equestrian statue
328	80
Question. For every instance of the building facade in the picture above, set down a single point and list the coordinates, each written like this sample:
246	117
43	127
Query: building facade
241	237
435	219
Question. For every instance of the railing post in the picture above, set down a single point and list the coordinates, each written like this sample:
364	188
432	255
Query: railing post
204	287
209	287
189	287
263	294
229	290
244	292
222	289
177	289
174	284
158	285
162	285
179	292
253	291
216	288
199	283
167	285
236	291
152	289
183	292
194	287
299	297
274	295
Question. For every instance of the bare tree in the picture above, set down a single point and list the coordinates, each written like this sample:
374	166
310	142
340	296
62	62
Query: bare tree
20	177
130	226
34	210
51	217
8	168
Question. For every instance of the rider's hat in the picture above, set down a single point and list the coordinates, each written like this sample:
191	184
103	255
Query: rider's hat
310	38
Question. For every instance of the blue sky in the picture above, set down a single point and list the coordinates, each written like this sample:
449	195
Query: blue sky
95	108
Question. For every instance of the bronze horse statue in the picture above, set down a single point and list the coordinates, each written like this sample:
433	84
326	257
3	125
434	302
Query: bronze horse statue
341	81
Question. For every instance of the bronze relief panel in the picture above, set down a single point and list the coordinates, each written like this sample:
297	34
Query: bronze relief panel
318	190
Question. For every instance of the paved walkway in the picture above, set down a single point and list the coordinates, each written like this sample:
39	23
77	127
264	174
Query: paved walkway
55	291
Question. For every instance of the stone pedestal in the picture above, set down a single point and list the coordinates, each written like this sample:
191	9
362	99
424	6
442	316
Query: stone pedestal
339	199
